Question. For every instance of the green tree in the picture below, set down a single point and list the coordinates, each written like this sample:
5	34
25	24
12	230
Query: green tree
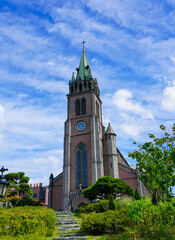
137	195
18	184
111	203
105	186
156	162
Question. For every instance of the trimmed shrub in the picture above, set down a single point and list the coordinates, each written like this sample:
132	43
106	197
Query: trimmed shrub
108	222
111	203
98	207
27	220
24	201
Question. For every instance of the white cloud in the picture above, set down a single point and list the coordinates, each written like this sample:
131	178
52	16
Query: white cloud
124	102
168	100
131	129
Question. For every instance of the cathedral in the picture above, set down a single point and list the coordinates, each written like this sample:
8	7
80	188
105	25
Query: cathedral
90	149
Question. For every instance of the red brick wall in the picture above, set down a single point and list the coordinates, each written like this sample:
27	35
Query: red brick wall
128	177
37	191
57	194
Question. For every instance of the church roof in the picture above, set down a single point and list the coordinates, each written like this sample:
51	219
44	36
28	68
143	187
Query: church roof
84	71
110	130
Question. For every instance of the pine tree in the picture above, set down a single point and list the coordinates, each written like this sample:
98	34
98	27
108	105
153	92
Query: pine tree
111	203
137	195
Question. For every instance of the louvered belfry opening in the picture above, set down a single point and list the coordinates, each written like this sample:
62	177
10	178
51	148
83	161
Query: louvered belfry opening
80	107
77	107
83	106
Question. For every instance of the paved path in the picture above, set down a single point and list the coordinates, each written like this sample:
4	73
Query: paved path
68	227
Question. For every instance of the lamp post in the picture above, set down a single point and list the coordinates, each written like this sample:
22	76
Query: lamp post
3	182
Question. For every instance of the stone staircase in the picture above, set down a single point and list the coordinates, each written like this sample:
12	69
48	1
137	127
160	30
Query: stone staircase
68	227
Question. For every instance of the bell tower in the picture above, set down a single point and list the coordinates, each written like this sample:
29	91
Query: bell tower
83	133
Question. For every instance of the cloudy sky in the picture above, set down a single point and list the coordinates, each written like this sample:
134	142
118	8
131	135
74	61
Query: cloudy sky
131	51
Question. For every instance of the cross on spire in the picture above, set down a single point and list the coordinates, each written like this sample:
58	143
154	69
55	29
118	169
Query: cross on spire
83	44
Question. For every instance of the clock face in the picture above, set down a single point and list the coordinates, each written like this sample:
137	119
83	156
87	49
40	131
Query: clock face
81	126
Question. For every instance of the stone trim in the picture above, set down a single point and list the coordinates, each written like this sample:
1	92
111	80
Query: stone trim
57	177
127	168
118	152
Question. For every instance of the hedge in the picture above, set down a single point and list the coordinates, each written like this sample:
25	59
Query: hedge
109	222
98	207
27	220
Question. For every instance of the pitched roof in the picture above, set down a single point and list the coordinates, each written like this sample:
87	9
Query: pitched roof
110	130
84	71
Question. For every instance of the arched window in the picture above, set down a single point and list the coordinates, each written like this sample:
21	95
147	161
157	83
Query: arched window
77	107
85	85
72	89
83	106
75	87
81	168
89	85
80	87
97	109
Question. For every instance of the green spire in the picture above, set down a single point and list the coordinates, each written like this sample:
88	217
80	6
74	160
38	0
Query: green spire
110	130
84	71
73	77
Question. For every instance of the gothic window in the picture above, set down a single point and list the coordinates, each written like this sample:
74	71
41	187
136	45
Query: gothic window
81	167
83	106
97	109
89	84
75	87
72	89
85	85
77	107
80	87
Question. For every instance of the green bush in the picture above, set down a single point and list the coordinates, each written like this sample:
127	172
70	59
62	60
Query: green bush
27	220
111	203
152	221
108	222
122	203
137	195
98	207
24	201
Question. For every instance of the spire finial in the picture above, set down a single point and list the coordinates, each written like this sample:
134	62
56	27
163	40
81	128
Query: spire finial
83	44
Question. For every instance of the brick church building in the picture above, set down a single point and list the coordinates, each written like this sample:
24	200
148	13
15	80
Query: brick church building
90	150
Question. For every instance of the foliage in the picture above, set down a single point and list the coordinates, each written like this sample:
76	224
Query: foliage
24	201
107	222
18	184
122	203
27	220
105	186
111	203
31	236
152	221
100	206
156	162
137	195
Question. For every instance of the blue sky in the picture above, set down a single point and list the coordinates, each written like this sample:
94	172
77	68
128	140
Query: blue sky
131	51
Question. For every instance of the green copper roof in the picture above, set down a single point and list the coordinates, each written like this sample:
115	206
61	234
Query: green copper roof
73	77
84	71
110	130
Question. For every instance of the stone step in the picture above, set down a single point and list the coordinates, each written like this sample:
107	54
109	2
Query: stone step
73	235
72	230
63	214
71	238
66	221
69	226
